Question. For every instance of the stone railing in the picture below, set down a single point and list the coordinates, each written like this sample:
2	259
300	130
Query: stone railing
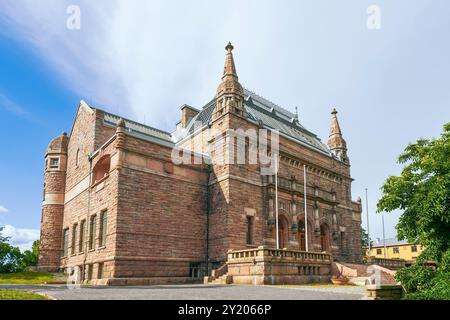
387	263
265	265
222	270
264	252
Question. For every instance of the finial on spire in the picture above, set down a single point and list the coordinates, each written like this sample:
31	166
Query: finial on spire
229	47
296	113
334	112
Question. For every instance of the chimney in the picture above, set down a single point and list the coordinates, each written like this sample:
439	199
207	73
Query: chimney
187	113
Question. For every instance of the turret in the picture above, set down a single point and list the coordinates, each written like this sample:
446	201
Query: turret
336	142
230	94
50	248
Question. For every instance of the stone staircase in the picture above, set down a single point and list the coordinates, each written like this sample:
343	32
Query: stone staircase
361	274
219	276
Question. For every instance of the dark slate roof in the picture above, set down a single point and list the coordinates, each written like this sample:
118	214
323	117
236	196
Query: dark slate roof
259	109
138	129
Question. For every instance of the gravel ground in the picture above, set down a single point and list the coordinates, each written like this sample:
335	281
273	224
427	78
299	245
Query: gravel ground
195	292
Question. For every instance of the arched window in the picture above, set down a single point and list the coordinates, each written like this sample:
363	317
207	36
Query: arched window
301	236
101	169
324	237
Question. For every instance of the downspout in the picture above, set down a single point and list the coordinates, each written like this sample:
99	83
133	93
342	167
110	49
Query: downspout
208	209
87	224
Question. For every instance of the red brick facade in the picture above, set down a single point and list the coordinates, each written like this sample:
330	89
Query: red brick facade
169	222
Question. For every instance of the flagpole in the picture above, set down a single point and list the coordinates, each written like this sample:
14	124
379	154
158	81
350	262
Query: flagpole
384	236
276	202
368	225
306	212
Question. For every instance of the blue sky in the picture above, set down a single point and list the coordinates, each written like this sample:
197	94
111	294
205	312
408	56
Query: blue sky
144	59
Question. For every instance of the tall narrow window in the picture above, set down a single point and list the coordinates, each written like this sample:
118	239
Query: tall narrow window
92	232
74	238
65	241
249	230
82	236
100	271
77	158
103	227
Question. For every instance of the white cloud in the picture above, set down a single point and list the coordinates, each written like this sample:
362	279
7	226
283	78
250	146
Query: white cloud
3	209
22	238
136	58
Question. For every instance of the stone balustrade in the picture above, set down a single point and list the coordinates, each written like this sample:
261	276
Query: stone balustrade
265	265
266	252
387	263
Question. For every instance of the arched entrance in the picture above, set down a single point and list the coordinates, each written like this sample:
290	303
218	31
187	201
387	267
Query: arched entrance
301	236
325	237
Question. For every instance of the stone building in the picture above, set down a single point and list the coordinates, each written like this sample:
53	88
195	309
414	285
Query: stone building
118	208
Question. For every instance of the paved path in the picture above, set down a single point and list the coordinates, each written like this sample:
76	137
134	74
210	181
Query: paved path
196	292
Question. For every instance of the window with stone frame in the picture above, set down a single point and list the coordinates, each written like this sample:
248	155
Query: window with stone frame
74	238
249	230
77	158
92	232
100	270
65	242
396	250
82	236
54	163
103	228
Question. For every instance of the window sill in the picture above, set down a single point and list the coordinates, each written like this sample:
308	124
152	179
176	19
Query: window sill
91	250
96	183
101	248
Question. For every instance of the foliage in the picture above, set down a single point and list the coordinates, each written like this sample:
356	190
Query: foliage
415	277
365	240
422	191
30	258
437	289
26	278
12	260
20	295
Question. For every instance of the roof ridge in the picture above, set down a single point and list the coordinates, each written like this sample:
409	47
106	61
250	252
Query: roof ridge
289	113
135	122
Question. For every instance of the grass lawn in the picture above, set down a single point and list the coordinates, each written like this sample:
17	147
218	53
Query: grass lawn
26	278
20	295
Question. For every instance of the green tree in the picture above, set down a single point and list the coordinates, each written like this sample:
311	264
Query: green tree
30	257
422	192
365	240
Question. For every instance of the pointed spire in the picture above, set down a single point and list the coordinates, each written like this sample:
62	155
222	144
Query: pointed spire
230	81
336	141
230	94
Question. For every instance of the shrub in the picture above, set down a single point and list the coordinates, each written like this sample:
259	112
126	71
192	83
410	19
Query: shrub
415	278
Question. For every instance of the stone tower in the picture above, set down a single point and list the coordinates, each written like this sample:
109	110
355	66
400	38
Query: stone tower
51	240
336	141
